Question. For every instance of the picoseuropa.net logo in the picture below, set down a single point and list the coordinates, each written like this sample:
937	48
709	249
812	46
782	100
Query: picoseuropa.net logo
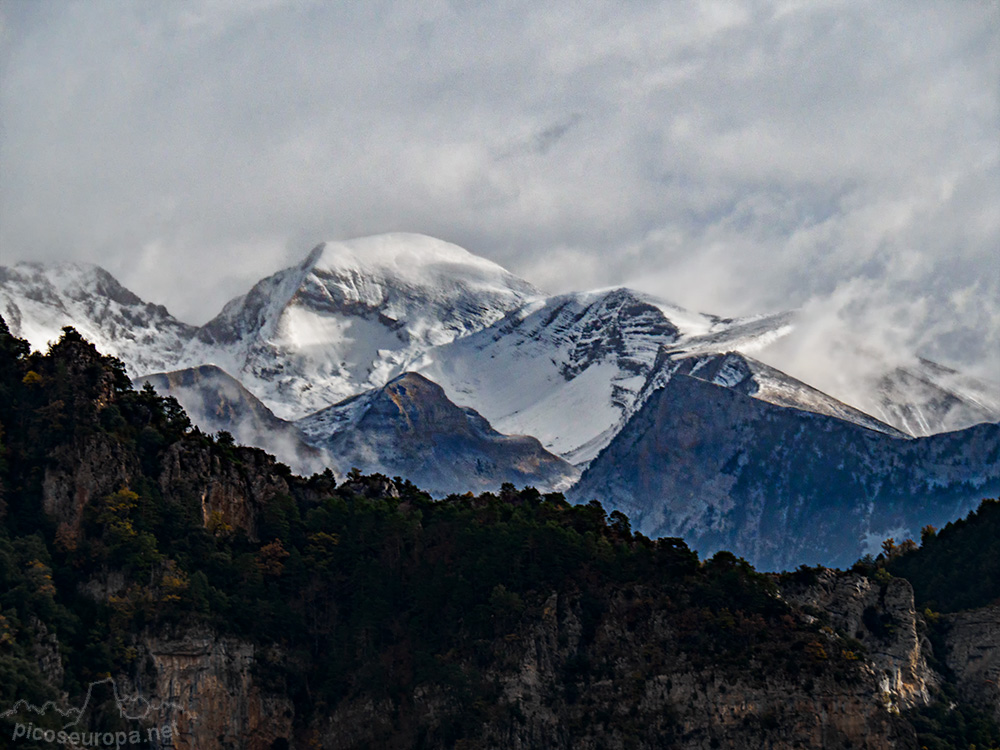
106	719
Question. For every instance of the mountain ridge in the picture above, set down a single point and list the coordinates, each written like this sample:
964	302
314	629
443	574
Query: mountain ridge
351	315
569	369
216	401
410	428
781	486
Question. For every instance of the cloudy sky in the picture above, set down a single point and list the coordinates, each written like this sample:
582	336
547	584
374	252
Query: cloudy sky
842	157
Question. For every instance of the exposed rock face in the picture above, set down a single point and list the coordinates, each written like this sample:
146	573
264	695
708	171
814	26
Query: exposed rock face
87	470
973	644
214	700
46	652
883	619
82	472
566	680
649	699
229	492
627	684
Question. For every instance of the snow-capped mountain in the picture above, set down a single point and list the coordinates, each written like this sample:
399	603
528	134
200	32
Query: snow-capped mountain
568	369
782	486
351	316
409	356
214	400
926	398
409	428
913	394
752	378
38	300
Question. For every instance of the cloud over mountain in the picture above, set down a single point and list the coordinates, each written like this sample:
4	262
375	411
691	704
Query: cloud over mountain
728	157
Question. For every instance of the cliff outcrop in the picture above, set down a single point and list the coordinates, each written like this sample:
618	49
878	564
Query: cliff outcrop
209	692
558	680
973	653
230	492
882	618
81	472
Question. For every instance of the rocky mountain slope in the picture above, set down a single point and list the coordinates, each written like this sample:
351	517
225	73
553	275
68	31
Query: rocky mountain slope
409	428
583	364
37	300
750	377
216	401
570	370
355	314
780	486
926	398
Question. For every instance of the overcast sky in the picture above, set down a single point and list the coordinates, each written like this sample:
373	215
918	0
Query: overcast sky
734	157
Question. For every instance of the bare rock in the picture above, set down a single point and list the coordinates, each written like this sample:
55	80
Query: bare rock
973	652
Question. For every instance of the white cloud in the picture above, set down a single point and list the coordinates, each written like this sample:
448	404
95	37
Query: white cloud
734	157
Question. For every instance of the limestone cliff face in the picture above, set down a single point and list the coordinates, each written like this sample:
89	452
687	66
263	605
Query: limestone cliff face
654	694
228	491
561	679
88	470
208	688
973	653
46	652
84	471
626	684
883	618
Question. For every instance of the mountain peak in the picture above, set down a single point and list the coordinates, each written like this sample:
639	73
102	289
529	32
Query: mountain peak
38	299
76	280
410	261
392	248
353	314
410	427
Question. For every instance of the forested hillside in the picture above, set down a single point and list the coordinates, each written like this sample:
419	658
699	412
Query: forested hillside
958	567
372	613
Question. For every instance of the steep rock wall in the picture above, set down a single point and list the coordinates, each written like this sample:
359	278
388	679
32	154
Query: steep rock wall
973	653
82	472
236	492
207	684
625	684
883	618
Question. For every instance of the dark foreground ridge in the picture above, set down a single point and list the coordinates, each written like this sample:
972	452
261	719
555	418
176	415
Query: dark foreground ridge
255	609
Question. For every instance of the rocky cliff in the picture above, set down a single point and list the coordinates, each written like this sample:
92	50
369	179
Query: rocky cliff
560	679
229	492
973	653
210	693
881	618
